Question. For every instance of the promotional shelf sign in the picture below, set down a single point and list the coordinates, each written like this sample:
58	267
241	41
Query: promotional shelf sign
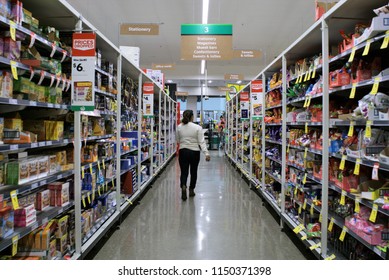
256	99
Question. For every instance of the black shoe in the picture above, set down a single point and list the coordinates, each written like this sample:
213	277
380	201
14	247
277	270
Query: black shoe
191	192
183	193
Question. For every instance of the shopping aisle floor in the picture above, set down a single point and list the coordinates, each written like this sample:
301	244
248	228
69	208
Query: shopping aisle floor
225	220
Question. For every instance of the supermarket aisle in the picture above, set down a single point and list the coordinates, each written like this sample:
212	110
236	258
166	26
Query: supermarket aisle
225	220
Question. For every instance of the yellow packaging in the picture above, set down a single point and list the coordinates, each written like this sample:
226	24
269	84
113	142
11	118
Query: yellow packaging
41	93
54	130
61	158
14	124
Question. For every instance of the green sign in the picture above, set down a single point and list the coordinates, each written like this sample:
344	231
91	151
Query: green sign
206	29
81	108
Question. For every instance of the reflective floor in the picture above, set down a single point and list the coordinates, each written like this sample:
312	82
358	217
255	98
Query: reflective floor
225	220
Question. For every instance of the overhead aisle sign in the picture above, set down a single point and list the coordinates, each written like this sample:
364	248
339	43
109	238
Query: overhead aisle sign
206	42
83	72
256	99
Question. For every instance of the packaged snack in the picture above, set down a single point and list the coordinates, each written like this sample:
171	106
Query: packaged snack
33	168
43	200
12	49
43	166
6	82
6	222
59	194
17	172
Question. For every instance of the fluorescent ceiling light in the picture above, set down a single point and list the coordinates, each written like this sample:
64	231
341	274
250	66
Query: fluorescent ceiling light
239	82
169	81
209	82
202	67
205	11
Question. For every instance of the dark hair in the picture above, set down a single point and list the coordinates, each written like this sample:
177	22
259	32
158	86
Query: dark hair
187	116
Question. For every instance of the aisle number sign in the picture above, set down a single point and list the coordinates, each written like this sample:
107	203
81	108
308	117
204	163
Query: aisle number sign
256	99
244	105
206	42
148	100
83	72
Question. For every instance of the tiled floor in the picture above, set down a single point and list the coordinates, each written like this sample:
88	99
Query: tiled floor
225	220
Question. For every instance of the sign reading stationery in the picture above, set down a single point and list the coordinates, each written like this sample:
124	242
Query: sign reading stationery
256	99
148	100
206	42
83	72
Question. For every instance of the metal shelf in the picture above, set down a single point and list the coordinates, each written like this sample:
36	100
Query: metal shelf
42	218
302	99
314	151
28	103
273	124
105	93
15	147
268	172
303	123
273	107
273	141
365	162
37	37
271	201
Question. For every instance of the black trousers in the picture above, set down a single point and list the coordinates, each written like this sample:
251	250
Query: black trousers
189	159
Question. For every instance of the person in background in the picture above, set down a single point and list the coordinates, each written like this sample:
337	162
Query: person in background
190	137
221	127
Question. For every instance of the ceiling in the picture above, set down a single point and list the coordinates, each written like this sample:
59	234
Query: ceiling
265	25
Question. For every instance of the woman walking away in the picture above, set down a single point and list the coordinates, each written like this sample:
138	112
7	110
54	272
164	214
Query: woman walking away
190	137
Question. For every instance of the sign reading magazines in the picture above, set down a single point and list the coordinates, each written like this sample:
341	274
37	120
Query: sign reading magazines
244	105
83	72
256	100
148	100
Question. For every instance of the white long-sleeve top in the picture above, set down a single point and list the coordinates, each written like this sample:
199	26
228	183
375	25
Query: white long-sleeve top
191	136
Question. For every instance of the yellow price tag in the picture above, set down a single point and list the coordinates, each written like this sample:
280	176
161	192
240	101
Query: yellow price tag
298	229
98	165
313	247
306	128
305	102
306	76
82	172
313	73
91	168
353	91
309	74
357	208
305	178
14	69
295	191
83	201
15	240
320	217
103	164
113	183
376	85
14	199
351	129
309	101
373	214
330	258
331	225
343	198
288	149
304	237
367	48
386	41
357	167
311	211
99	191
342	162
305	153
343	234
301	78
88	196
305	204
300	209
368	129
129	201
352	55
12	30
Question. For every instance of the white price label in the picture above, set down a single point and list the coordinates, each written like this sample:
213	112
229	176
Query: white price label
52	78
58	81
32	40
54	49
32	73
64	54
42	76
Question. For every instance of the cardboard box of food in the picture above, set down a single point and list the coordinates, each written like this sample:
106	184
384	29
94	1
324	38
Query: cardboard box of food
42	200
17	172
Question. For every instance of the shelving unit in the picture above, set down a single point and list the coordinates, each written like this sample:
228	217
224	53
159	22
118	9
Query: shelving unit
303	106
90	211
